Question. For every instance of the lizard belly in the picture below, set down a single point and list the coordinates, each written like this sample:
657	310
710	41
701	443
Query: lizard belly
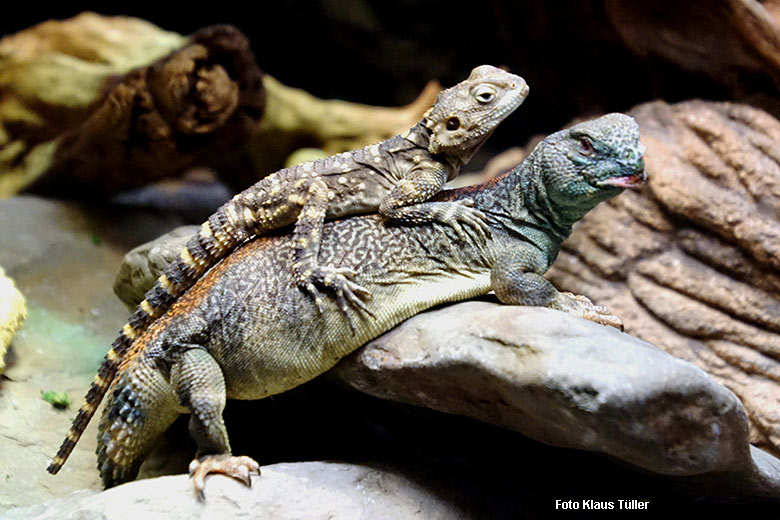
402	301
290	351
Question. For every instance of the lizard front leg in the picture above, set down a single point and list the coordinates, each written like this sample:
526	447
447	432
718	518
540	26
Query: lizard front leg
406	202
305	266
200	386
515	280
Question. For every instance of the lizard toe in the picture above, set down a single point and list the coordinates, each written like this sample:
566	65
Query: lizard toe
338	281
358	301
462	236
240	468
309	288
583	307
476	220
349	293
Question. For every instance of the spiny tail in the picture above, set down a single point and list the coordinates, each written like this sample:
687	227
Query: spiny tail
225	230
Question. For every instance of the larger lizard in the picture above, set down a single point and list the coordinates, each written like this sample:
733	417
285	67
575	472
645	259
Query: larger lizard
244	331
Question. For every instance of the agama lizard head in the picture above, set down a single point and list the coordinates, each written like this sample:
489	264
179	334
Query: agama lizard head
591	162
464	116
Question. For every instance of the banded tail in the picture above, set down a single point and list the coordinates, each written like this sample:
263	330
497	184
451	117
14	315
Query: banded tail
95	394
225	230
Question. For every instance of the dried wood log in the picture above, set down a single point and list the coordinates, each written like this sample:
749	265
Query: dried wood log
196	103
96	105
51	76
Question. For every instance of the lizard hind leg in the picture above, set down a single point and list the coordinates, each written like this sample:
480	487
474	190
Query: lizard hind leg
200	386
139	409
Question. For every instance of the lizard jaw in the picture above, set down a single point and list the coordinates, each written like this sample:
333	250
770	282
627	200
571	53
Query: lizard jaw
626	181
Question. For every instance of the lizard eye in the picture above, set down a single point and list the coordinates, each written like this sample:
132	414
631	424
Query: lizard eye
484	94
453	123
586	146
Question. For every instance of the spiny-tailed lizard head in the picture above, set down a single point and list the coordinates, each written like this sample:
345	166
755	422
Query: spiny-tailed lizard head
464	116
591	162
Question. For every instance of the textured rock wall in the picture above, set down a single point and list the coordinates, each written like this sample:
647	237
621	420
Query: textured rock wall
692	262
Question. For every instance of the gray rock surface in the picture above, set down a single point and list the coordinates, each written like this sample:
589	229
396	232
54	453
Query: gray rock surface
315	490
63	258
691	262
144	263
568	382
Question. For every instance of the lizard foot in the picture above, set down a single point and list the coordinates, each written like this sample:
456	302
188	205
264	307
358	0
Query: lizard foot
584	308
462	211
338	280
239	468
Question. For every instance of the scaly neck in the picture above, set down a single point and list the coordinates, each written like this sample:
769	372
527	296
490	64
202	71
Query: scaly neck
518	200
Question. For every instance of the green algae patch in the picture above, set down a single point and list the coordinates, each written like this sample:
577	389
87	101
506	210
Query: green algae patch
58	400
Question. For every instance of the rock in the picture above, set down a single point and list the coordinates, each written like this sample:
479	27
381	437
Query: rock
63	258
568	382
728	40
12	313
315	490
691	263
143	264
627	53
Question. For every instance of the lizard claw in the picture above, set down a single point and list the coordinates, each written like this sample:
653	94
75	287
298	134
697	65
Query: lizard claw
459	230
347	292
240	468
315	294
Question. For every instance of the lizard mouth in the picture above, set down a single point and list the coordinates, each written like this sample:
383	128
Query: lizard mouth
626	181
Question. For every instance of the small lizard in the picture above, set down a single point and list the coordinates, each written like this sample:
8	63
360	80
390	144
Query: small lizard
395	177
244	331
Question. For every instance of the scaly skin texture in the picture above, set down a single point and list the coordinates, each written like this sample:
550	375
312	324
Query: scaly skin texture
246	332
396	177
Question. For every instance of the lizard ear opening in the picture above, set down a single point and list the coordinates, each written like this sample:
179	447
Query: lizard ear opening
453	123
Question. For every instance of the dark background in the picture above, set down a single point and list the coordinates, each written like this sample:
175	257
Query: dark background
383	52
